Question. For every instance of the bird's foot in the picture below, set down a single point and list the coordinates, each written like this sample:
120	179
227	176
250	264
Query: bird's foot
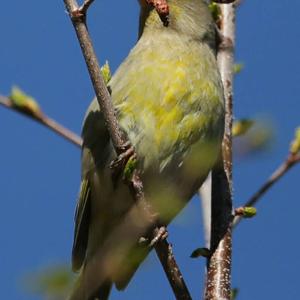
124	161
125	152
159	235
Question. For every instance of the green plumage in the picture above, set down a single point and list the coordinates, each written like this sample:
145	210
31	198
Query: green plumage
169	101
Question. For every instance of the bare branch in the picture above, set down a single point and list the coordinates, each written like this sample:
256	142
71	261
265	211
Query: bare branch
218	283
99	85
46	121
78	18
290	161
168	262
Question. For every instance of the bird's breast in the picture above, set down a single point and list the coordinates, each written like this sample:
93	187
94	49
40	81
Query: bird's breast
168	95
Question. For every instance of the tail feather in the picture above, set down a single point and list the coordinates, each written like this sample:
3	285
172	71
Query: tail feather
79	292
129	266
103	291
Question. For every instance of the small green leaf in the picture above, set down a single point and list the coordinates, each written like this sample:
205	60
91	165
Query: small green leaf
245	212
53	282
129	168
215	11
24	102
295	145
106	74
204	252
258	138
241	127
238	67
249	212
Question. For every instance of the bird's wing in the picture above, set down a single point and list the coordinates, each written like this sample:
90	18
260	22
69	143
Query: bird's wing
82	216
94	153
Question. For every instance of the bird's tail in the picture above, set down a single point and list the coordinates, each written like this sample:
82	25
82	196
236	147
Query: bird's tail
80	293
103	291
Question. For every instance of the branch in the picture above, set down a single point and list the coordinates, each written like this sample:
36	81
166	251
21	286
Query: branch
290	161
43	119
163	249
205	198
85	6
218	282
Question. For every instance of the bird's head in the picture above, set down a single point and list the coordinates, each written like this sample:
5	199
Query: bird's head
188	17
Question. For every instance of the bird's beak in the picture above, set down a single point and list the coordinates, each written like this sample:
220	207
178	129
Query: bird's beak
161	7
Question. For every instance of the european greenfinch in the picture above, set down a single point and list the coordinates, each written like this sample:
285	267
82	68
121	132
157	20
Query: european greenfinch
169	101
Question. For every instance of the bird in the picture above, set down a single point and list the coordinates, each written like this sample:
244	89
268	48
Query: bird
169	101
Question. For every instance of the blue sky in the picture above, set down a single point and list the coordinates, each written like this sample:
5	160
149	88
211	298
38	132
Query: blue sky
39	174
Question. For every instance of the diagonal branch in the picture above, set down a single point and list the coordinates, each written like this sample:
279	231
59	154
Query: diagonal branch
290	161
44	120
163	248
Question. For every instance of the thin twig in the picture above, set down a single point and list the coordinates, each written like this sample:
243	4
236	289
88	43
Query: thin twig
78	19
102	94
290	161
218	282
85	6
46	121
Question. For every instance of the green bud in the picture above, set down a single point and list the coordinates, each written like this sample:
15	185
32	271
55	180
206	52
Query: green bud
52	282
129	168
245	212
24	102
249	212
238	67
215	11
241	127
106	74
295	145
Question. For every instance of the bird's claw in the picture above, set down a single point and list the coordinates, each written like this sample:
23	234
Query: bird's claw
126	150
160	235
117	165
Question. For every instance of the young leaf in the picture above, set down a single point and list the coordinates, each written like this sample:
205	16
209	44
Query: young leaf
106	73
24	102
295	145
